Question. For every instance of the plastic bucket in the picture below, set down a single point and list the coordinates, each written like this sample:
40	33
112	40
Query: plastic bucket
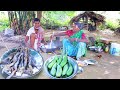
115	49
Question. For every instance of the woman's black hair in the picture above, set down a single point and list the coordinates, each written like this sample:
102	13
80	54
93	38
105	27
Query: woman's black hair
36	19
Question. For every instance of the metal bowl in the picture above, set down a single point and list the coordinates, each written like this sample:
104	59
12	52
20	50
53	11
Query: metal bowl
47	49
36	56
71	60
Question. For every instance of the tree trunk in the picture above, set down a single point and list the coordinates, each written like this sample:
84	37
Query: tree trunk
39	14
21	21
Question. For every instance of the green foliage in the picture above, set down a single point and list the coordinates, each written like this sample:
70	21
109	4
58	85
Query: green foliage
112	24
57	17
102	27
98	42
4	22
2	28
98	38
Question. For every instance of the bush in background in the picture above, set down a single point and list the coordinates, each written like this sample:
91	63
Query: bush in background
112	24
4	22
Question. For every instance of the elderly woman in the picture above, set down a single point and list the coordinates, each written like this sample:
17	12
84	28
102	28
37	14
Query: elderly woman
75	44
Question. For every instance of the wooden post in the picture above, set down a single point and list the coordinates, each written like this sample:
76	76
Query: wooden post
87	22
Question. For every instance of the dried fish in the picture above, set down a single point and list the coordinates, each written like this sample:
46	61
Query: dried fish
28	71
12	74
21	70
19	63
5	61
6	68
16	56
26	58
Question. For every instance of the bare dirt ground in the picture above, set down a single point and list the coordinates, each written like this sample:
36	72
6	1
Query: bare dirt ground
108	66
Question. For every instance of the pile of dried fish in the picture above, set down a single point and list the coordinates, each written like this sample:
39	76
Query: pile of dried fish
19	63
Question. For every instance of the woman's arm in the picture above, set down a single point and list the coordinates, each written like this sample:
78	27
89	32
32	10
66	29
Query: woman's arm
59	34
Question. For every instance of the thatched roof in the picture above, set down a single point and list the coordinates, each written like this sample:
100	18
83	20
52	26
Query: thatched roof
97	18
